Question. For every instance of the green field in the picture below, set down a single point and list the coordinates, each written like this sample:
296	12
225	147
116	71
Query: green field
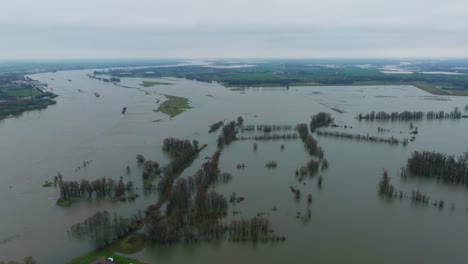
174	105
150	83
132	244
109	251
22	92
301	73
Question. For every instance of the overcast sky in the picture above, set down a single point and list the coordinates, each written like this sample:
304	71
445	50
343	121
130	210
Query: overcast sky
233	29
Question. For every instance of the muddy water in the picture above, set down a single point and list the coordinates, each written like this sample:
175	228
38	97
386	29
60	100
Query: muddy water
349	224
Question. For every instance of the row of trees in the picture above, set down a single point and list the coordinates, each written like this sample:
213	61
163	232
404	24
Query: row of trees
386	189
99	188
410	115
270	137
270	128
391	140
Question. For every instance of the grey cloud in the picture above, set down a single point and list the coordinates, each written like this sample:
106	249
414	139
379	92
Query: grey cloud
216	28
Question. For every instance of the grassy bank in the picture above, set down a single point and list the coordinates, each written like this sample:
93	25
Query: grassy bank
110	251
64	202
151	83
175	105
22	92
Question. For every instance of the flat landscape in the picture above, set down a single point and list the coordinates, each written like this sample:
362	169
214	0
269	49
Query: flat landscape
198	170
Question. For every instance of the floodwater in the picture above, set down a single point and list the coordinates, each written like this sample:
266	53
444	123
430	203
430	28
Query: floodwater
350	223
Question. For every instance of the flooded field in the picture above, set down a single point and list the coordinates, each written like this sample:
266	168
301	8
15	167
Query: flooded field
349	223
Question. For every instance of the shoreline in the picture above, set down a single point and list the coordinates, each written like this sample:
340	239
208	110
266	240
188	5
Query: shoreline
433	90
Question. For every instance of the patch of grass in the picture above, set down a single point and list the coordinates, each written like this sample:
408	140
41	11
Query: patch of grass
174	105
64	202
47	184
22	92
132	244
150	83
107	252
430	88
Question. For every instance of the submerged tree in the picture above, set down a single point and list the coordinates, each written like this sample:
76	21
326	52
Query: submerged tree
385	187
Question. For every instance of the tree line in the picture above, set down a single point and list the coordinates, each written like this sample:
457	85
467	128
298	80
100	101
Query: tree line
101	188
410	115
391	140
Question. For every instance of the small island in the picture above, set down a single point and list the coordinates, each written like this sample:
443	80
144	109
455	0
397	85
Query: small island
175	105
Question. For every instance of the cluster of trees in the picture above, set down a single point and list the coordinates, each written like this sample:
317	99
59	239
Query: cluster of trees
437	165
240	121
271	164
296	193
391	140
228	134
214	127
102	228
193	212
151	170
319	120
182	153
255	229
177	147
99	189
408	115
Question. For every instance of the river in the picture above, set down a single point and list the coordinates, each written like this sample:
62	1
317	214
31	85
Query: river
350	223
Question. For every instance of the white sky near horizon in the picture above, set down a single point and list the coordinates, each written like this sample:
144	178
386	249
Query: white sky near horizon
55	29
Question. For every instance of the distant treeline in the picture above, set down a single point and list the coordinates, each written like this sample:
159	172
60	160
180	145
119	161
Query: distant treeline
408	115
272	74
